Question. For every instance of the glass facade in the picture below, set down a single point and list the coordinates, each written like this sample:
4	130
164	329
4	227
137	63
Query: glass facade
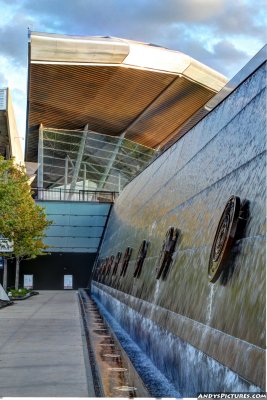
86	160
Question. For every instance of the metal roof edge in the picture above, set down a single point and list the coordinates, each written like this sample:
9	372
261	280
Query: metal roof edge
233	84
245	72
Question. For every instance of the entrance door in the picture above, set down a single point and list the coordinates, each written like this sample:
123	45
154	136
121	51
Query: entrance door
68	281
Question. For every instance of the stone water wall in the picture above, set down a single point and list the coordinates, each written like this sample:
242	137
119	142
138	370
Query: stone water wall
187	187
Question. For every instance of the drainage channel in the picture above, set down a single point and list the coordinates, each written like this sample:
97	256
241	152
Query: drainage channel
113	373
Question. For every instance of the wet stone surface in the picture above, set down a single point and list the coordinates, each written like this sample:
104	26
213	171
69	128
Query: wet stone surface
187	188
113	368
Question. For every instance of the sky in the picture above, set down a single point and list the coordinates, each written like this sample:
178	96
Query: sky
223	34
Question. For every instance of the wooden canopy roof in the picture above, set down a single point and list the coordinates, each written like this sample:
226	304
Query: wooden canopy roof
117	86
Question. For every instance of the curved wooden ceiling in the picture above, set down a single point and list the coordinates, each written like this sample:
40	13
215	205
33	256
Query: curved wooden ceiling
146	105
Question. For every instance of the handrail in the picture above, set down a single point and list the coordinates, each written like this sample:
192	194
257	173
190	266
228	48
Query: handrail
58	194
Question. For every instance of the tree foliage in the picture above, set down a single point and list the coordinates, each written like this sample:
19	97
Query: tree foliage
21	220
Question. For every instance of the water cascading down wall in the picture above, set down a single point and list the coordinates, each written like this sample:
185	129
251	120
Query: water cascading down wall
202	336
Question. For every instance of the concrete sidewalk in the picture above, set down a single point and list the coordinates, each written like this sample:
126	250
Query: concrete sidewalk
41	348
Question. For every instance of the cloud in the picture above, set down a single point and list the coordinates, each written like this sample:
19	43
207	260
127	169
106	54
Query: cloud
15	44
3	80
156	21
222	56
226	57
141	16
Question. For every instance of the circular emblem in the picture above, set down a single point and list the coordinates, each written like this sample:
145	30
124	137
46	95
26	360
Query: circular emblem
116	263
167	251
126	259
224	238
140	258
97	271
109	265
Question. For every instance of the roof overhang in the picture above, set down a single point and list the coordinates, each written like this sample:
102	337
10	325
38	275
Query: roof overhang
119	87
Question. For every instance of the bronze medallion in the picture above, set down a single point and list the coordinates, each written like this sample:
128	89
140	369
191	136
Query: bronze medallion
166	253
126	259
116	263
140	258
104	266
224	238
97	271
109	264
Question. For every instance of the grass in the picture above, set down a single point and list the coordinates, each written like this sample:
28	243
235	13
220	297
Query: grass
18	292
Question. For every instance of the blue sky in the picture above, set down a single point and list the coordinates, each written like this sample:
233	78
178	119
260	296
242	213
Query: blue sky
224	34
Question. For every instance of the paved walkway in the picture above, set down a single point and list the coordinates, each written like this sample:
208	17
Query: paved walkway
41	347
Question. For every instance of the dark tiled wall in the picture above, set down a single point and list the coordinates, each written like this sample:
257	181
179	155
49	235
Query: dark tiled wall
48	271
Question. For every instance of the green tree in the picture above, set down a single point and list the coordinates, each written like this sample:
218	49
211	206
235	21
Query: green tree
21	220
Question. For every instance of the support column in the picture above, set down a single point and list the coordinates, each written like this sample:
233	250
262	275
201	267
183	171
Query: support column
84	176
78	161
66	173
119	182
84	180
111	162
5	274
40	175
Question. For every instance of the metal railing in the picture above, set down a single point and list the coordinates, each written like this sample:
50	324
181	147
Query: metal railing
99	196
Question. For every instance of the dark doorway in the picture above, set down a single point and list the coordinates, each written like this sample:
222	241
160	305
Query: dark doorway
48	271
